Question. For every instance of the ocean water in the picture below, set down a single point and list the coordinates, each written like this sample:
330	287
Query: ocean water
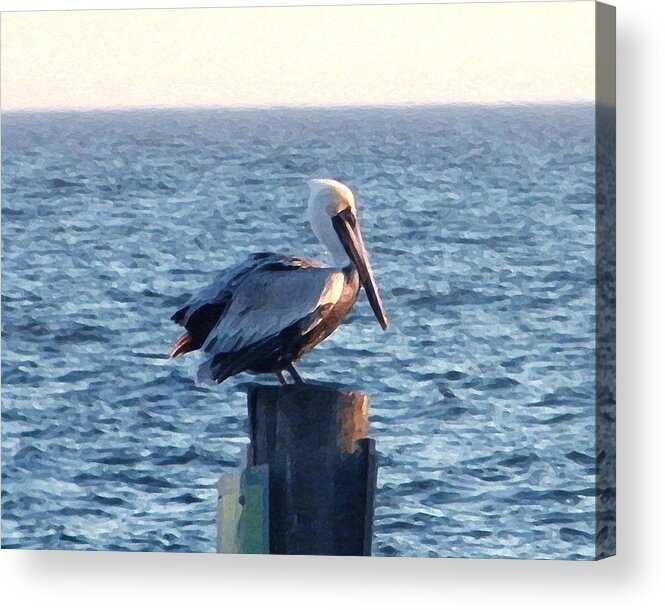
480	224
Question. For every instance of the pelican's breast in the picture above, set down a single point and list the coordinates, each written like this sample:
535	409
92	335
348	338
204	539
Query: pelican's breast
347	286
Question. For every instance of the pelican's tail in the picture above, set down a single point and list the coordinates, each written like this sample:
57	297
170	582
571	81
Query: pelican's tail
183	345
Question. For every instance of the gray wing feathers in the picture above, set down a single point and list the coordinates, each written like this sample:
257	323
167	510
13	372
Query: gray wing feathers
267	302
218	291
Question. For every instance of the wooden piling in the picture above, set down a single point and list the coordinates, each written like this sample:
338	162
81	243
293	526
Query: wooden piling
321	468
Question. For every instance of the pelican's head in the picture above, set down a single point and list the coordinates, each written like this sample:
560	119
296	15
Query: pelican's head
330	197
332	214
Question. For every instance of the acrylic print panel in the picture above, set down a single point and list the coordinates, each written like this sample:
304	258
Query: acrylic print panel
285	184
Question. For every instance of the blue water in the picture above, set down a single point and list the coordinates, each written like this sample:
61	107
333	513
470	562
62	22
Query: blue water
480	224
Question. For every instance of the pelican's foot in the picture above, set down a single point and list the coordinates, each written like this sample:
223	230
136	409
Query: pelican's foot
294	374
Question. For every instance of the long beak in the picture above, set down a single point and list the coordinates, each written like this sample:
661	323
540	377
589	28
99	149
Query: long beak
349	234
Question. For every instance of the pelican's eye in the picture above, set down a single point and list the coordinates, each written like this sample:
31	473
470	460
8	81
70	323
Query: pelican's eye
339	206
347	215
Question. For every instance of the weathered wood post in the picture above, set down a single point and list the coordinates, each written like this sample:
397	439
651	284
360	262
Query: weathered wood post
309	445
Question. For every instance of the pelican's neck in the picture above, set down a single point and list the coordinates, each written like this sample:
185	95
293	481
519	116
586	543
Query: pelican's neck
324	230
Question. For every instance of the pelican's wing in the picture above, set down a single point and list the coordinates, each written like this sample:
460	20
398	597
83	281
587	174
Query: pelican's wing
273	298
219	291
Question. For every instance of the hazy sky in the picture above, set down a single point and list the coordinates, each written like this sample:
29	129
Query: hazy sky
290	56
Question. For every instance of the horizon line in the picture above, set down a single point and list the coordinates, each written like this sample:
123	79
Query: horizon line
254	107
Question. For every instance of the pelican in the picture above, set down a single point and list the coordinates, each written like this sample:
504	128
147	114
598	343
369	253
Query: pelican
264	314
